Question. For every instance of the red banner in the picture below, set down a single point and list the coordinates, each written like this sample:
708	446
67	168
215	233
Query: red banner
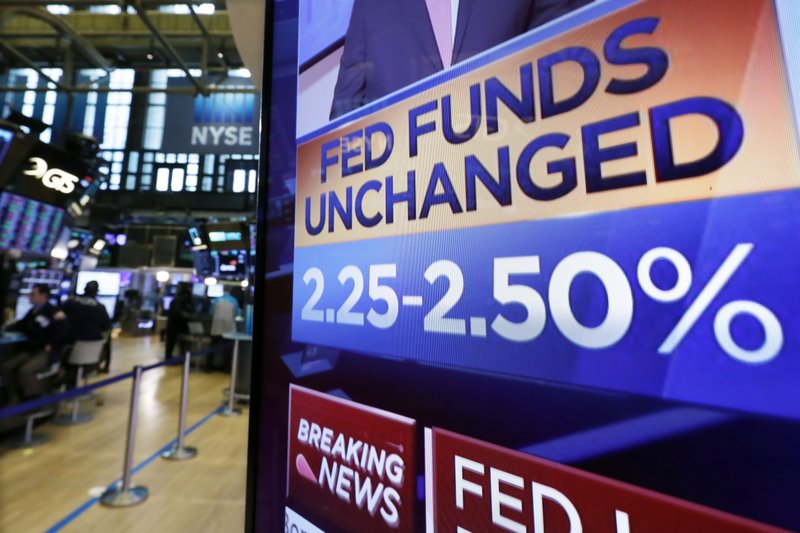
479	487
350	465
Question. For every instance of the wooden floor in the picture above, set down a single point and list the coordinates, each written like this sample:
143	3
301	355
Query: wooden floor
42	486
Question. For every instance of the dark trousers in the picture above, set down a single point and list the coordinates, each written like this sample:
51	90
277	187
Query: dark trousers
172	338
19	374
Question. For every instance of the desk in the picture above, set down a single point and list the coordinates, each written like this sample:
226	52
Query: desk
10	343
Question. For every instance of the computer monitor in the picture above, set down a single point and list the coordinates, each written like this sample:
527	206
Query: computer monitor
215	291
108	282
28	225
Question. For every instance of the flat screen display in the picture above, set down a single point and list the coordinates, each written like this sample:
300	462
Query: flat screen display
215	291
28	225
230	263
227	236
110	303
535	247
203	263
108	282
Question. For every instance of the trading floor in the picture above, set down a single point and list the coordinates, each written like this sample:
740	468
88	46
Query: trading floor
54	487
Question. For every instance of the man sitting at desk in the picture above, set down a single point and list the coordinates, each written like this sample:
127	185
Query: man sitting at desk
42	347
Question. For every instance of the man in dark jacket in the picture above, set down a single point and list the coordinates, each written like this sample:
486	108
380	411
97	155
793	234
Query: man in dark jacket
45	335
88	319
178	315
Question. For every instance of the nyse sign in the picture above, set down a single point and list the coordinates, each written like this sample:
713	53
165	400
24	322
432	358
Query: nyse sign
52	178
225	121
233	136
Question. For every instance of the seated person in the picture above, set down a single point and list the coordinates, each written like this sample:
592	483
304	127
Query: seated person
43	346
88	319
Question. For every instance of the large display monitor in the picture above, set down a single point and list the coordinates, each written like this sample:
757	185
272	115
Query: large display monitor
227	236
543	266
29	225
230	264
108	282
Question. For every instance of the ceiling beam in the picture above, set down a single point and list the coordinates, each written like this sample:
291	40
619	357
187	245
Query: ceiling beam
145	18
82	45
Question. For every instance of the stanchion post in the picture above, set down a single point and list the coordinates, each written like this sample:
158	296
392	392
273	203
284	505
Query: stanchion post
125	495
230	410
179	452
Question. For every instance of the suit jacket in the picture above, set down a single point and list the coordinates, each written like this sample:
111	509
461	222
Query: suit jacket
390	43
88	319
42	328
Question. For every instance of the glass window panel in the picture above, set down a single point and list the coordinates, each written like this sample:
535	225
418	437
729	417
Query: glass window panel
251	181
133	161
171	158
192	169
191	181
162	179
183	158
148	156
160	157
177	179
194	158
208	184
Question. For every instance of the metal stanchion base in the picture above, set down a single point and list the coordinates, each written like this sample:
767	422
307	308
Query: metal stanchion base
67	420
34	441
237	397
119	498
227	411
180	454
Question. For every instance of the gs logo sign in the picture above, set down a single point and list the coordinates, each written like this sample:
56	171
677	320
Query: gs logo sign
53	178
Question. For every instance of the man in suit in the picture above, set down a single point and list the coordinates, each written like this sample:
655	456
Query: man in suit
45	335
393	43
89	321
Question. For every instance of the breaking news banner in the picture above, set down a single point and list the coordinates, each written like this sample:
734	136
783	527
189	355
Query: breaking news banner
351	467
610	201
475	486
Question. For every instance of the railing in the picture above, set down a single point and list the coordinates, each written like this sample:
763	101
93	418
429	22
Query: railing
126	494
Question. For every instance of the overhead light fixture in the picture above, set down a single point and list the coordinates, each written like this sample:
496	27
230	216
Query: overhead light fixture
150	56
221	54
162	276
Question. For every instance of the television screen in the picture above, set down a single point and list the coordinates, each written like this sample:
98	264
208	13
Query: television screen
227	236
110	303
29	225
215	291
108	282
536	247
230	263
197	237
198	289
203	263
